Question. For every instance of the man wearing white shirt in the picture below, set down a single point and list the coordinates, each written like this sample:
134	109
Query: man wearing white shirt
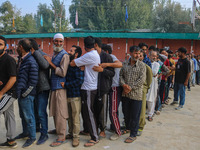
89	87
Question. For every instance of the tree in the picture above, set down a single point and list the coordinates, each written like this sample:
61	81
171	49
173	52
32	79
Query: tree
48	17
7	11
167	15
110	14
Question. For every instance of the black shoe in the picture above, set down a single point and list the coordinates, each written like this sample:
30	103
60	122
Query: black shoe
174	102
43	138
21	136
7	144
29	143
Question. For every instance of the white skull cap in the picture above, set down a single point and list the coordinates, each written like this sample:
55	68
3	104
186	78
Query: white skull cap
58	36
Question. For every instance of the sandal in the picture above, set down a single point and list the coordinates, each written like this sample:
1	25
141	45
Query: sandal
130	139
125	131
91	143
52	131
150	118
167	102
84	133
57	143
69	136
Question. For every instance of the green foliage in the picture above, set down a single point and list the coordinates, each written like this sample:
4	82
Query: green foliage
31	23
110	14
167	16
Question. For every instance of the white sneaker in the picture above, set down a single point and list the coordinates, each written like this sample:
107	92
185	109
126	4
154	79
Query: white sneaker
179	107
114	137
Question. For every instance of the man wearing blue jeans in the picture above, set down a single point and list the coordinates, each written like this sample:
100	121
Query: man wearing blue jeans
43	87
26	90
182	74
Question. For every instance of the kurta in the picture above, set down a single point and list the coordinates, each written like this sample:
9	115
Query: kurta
152	93
58	98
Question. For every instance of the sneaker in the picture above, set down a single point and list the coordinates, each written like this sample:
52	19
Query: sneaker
179	107
139	133
114	137
75	142
7	144
174	102
43	138
29	143
189	90
21	137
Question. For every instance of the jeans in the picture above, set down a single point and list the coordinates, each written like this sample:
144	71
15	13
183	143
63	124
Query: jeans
162	91
26	110
167	85
188	86
41	101
197	76
179	90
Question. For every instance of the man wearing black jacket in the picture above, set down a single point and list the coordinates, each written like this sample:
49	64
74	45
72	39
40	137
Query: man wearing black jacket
104	86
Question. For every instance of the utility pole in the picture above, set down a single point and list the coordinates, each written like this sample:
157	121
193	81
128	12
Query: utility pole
61	15
55	19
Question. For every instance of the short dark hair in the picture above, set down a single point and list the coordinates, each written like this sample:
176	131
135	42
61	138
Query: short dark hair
26	44
152	47
98	42
107	48
34	44
4	39
182	50
89	42
142	44
78	50
134	48
169	52
161	50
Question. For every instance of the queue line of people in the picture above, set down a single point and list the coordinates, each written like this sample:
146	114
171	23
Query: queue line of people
92	84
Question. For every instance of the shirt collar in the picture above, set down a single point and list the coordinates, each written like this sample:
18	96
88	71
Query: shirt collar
25	56
136	64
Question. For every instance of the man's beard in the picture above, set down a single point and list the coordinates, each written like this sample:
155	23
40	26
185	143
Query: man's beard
134	59
72	57
1	51
57	49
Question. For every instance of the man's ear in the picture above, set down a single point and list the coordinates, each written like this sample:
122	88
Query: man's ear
76	55
95	45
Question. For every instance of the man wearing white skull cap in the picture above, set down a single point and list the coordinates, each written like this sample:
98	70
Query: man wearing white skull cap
58	98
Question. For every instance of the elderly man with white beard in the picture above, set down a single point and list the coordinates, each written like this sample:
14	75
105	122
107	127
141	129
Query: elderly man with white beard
58	98
152	93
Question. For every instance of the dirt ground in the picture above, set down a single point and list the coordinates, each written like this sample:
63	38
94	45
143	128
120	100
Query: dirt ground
171	130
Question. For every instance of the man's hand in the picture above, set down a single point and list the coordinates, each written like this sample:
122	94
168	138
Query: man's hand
186	83
62	84
1	83
98	68
126	88
47	58
1	95
82	68
104	65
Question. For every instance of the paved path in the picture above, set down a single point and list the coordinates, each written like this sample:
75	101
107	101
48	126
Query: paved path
171	130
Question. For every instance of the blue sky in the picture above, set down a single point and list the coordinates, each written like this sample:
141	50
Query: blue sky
30	6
